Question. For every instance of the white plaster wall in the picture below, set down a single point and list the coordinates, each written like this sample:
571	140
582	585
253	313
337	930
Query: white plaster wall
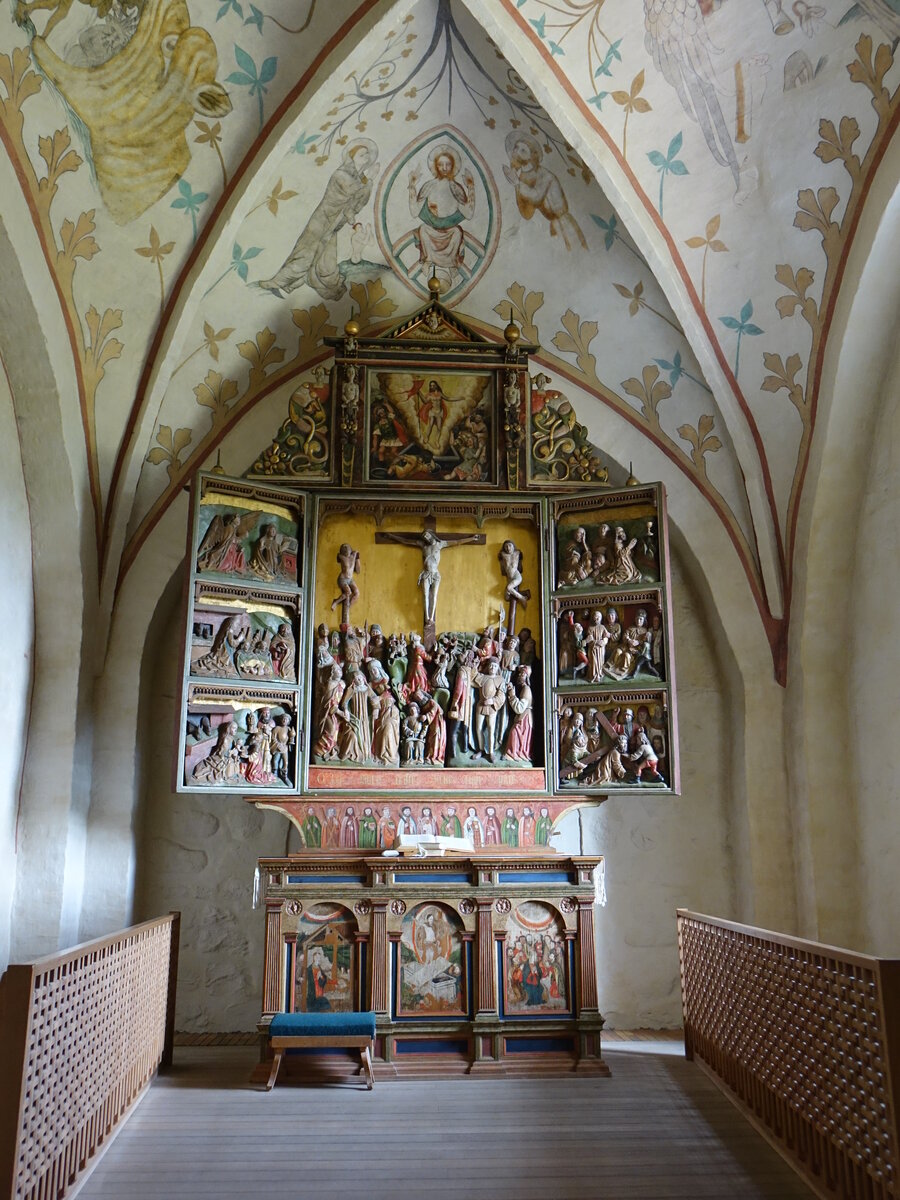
197	853
17	606
874	691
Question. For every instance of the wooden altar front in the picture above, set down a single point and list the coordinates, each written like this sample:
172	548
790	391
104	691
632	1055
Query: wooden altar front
483	964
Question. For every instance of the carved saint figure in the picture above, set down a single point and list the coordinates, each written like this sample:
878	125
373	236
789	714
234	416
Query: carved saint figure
355	736
348	592
231	635
634	646
385	717
327	722
491	700
518	737
223	762
282	650
622	568
412	737
595	639
283	737
611	766
510	557
441	204
575	560
266	558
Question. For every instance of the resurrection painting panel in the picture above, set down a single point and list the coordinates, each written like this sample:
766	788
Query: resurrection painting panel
431	427
432	964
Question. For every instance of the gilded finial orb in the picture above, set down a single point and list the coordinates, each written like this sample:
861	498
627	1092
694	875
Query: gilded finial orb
512	333
434	286
632	480
218	469
351	329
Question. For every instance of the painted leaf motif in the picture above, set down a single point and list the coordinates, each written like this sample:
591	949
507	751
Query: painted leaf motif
267	70
730	322
656	157
747	311
674	146
76	239
712	226
678	168
695	242
751	330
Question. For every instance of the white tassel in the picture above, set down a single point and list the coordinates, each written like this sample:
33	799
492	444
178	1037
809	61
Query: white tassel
600	883
256	888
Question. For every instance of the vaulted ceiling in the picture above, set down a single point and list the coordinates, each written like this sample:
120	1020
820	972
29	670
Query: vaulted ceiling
214	188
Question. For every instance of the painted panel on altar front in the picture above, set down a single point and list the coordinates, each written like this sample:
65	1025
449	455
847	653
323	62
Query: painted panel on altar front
431	427
325	971
432	964
536	976
246	541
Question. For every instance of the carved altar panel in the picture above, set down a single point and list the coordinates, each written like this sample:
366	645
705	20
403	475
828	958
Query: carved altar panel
613	670
239	720
473	647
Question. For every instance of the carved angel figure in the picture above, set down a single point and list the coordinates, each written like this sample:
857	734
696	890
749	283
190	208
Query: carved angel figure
221	548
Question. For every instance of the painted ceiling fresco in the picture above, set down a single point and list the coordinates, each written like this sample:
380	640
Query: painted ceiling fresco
213	199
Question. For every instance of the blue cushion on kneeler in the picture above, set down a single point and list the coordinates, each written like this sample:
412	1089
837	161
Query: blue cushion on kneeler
341	1024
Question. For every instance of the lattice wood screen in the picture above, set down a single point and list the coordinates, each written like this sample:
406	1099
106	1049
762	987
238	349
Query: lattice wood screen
89	1029
805	1036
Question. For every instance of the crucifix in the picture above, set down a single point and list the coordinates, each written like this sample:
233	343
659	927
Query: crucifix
431	543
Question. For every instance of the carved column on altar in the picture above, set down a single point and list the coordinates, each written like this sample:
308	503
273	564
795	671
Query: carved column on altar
486	995
587	967
378	959
272	989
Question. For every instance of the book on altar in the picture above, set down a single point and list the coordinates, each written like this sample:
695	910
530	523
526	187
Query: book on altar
428	843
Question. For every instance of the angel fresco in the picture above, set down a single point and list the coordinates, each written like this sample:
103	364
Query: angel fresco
678	40
137	103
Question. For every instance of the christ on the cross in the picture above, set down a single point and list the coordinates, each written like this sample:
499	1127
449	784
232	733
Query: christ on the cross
431	544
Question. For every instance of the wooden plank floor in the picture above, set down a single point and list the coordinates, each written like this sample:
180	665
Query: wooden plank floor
658	1130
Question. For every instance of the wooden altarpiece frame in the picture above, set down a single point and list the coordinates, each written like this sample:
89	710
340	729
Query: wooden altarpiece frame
427	423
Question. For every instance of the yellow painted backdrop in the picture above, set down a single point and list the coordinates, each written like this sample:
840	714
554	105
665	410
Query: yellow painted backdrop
472	586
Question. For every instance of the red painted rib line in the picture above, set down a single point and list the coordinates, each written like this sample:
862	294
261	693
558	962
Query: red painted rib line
90	447
199	245
677	263
826	327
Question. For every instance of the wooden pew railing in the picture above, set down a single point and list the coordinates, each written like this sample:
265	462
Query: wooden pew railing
806	1040
81	1034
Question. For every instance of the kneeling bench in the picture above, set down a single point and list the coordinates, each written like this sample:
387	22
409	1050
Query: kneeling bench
305	1031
